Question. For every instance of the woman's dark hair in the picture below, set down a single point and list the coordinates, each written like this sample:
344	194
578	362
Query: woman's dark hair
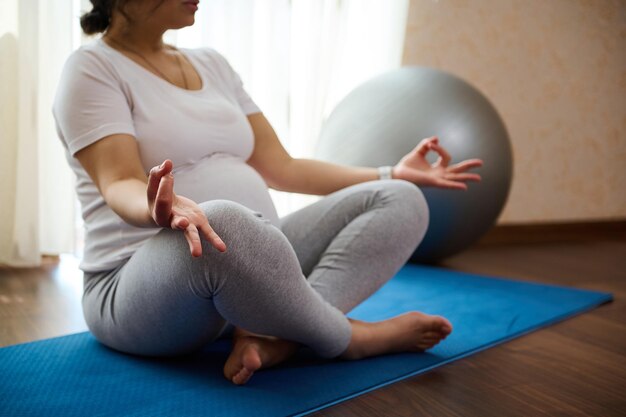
99	18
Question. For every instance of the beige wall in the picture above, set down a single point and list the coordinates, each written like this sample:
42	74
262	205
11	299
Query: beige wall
556	71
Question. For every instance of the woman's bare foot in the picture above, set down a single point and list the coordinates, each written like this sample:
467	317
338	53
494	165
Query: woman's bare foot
252	352
409	332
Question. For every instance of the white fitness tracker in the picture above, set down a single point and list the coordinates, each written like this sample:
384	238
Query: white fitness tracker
384	173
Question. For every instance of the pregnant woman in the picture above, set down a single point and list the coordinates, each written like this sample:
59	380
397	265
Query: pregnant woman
183	244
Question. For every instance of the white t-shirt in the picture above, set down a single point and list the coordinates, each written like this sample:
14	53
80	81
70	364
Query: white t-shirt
205	133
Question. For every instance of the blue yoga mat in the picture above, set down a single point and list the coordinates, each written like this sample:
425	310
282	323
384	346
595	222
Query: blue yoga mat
76	376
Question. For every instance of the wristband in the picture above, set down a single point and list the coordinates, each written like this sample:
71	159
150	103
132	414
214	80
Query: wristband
384	173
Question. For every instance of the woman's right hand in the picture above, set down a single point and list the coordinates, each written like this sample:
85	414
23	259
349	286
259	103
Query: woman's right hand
170	210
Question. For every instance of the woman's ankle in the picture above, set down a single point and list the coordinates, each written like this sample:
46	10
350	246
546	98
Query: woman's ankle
240	333
361	333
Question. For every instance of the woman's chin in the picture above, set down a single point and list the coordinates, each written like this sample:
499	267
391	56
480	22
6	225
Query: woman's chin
183	23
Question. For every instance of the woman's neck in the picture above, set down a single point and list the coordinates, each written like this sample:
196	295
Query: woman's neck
142	38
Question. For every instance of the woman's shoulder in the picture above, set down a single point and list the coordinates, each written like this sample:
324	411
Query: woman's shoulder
91	58
93	50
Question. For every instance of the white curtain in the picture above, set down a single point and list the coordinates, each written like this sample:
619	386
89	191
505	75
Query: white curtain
297	59
37	201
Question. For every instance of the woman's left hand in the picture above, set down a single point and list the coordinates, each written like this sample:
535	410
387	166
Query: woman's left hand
415	168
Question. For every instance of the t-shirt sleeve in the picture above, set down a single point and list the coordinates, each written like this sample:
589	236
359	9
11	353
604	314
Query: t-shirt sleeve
248	106
90	103
243	98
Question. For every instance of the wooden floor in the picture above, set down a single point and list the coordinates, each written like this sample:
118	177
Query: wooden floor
574	368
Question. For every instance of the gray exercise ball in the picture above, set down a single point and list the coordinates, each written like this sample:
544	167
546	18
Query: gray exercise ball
384	118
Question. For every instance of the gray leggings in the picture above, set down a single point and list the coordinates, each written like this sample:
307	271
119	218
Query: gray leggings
296	283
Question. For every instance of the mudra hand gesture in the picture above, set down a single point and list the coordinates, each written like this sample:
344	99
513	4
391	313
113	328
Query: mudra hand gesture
415	168
170	210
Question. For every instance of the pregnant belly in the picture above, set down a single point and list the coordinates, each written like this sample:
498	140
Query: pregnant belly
225	177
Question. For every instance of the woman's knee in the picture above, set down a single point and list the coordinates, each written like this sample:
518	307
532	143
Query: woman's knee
249	237
227	215
410	206
258	255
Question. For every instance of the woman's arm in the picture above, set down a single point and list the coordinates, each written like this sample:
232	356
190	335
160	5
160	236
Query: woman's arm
307	176
114	165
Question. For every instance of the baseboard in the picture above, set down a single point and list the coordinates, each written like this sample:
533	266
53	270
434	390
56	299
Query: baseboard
556	232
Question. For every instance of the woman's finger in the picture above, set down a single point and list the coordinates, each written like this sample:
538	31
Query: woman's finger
424	146
212	237
465	165
153	184
193	239
179	222
164	200
444	156
154	179
462	177
452	185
